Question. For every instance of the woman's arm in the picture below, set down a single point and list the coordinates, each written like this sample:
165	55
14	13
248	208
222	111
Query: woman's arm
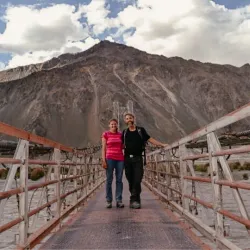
104	146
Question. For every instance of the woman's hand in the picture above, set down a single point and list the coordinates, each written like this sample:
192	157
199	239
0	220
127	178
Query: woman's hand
104	164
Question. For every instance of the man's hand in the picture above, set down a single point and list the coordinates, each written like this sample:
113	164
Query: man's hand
104	164
157	143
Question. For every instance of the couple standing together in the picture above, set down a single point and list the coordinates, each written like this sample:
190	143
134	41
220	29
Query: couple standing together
132	140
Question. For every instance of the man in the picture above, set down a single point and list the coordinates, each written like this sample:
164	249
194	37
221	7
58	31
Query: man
134	140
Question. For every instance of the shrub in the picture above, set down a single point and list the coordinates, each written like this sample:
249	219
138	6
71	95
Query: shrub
3	173
246	166
201	168
36	174
245	176
241	168
234	165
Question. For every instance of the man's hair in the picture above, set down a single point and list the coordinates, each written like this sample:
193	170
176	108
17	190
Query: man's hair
113	120
129	115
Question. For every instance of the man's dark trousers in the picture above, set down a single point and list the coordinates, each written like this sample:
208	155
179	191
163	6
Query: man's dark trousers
134	173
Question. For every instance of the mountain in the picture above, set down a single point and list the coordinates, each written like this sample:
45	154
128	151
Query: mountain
70	98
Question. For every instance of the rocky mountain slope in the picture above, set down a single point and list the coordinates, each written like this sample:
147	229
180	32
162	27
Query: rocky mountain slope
69	98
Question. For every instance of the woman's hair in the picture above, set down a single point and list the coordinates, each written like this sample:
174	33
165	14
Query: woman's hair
114	120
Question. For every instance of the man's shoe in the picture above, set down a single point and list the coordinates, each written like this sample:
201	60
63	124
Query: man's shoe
135	205
109	204
119	204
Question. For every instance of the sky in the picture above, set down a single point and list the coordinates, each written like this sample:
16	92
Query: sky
209	31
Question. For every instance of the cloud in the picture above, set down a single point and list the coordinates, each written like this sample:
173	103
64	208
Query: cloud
193	29
30	29
2	66
109	38
96	13
35	35
42	55
125	1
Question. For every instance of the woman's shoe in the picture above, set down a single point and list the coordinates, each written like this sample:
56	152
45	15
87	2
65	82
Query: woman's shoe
119	204
109	204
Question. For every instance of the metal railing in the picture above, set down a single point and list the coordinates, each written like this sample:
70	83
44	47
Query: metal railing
170	173
71	176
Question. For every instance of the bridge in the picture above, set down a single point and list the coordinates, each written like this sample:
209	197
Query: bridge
181	209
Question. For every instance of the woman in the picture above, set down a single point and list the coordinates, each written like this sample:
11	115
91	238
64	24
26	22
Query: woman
112	158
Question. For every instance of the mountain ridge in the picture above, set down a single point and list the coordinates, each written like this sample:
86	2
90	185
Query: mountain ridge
71	99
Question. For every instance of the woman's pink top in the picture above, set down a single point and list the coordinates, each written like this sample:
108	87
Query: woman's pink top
114	145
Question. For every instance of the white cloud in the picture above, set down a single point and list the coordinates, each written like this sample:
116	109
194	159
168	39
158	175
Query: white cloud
42	56
97	13
124	1
2	66
35	35
109	38
30	29
193	29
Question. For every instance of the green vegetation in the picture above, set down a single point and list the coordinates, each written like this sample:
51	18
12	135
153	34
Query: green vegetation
245	176
237	166
201	167
33	174
233	166
36	174
3	173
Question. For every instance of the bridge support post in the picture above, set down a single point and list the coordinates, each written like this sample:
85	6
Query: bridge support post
12	172
168	178
57	172
87	174
217	191
24	225
83	166
183	172
75	160
156	173
215	146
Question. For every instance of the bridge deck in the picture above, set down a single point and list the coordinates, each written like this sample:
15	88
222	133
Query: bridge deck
151	227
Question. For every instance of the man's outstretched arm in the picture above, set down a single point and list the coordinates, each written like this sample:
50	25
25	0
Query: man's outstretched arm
157	143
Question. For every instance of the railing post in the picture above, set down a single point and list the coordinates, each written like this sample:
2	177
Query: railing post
156	174
12	172
168	179
217	196
228	174
74	160
183	172
57	172
86	172
82	171
24	225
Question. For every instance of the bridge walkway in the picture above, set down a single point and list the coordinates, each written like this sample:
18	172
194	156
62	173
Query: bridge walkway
151	227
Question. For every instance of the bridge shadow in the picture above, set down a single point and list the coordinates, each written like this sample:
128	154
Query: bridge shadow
151	227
